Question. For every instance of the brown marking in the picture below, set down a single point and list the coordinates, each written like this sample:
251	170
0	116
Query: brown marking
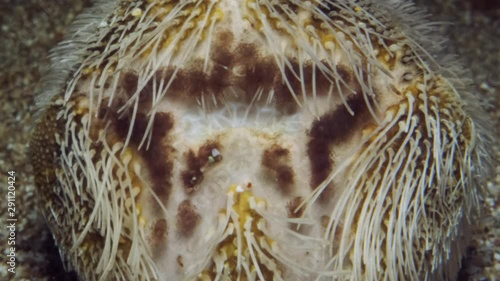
243	67
221	55
292	206
157	156
274	155
246	51
193	176
284	99
176	85
261	74
219	80
198	82
344	73
159	232
129	83
224	38
292	74
333	128
146	94
325	220
192	84
276	159
103	110
205	153
180	261
120	125
187	218
284	176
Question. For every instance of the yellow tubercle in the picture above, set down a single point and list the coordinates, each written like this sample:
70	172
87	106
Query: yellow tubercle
87	71
236	249
137	12
218	15
329	41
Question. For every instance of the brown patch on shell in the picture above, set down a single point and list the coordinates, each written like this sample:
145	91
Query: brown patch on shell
334	127
276	160
292	206
187	218
207	154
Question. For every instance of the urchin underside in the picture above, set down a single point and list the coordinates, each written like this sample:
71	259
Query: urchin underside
219	140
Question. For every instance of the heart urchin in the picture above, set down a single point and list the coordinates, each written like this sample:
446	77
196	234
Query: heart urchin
257	139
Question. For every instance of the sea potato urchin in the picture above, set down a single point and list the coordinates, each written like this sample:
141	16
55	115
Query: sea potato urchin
257	140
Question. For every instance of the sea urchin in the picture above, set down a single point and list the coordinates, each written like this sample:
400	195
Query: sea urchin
257	140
